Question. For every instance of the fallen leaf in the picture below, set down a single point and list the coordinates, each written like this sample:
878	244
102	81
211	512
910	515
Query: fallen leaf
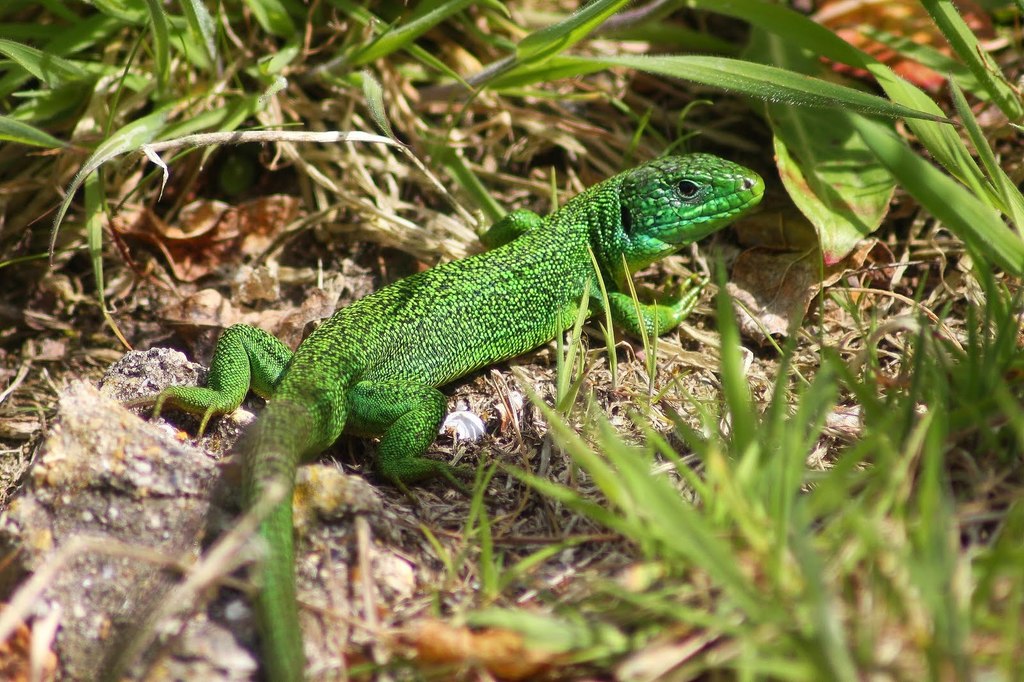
503	653
16	657
211	233
906	19
208	308
772	288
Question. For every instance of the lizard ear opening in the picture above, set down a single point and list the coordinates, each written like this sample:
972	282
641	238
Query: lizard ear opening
626	220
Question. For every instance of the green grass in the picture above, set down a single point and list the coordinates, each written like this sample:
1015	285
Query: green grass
869	565
843	506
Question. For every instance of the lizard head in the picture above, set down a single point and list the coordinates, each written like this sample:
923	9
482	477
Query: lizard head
673	201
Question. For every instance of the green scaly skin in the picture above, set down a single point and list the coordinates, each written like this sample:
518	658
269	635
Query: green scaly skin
373	368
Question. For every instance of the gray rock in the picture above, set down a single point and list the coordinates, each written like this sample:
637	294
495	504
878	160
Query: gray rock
132	487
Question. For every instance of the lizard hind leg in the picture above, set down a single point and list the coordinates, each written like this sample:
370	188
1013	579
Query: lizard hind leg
245	357
406	416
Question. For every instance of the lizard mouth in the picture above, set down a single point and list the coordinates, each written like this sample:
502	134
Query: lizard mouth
746	195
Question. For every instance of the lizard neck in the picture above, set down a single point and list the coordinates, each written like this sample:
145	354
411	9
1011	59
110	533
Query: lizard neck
596	217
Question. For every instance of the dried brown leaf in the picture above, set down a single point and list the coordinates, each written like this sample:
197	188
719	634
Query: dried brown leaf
503	653
16	662
904	18
210	233
773	287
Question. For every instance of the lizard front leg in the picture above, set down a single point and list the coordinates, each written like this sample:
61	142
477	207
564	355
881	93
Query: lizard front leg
654	318
512	226
245	358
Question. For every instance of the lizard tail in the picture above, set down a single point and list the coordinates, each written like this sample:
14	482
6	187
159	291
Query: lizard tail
271	451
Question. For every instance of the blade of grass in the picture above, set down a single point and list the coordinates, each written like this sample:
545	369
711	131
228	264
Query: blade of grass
766	82
570	372
976	223
826	642
94	201
942	141
963	41
548	42
926	55
455	165
686	472
528	564
50	69
1011	200
478	526
566	633
23	133
552	69
161	45
426	17
734	383
129	138
273	17
649	345
608	325
82	34
571	499
657	502
201	24
374	95
562	35
604	476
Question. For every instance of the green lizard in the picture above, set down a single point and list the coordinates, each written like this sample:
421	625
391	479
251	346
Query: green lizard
373	368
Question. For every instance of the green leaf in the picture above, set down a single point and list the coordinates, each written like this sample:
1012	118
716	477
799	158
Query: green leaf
23	133
842	190
828	172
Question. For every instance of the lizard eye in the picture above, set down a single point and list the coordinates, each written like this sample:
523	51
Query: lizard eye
625	219
688	189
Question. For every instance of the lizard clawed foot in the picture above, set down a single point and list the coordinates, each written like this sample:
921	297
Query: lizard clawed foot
425	469
448	473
